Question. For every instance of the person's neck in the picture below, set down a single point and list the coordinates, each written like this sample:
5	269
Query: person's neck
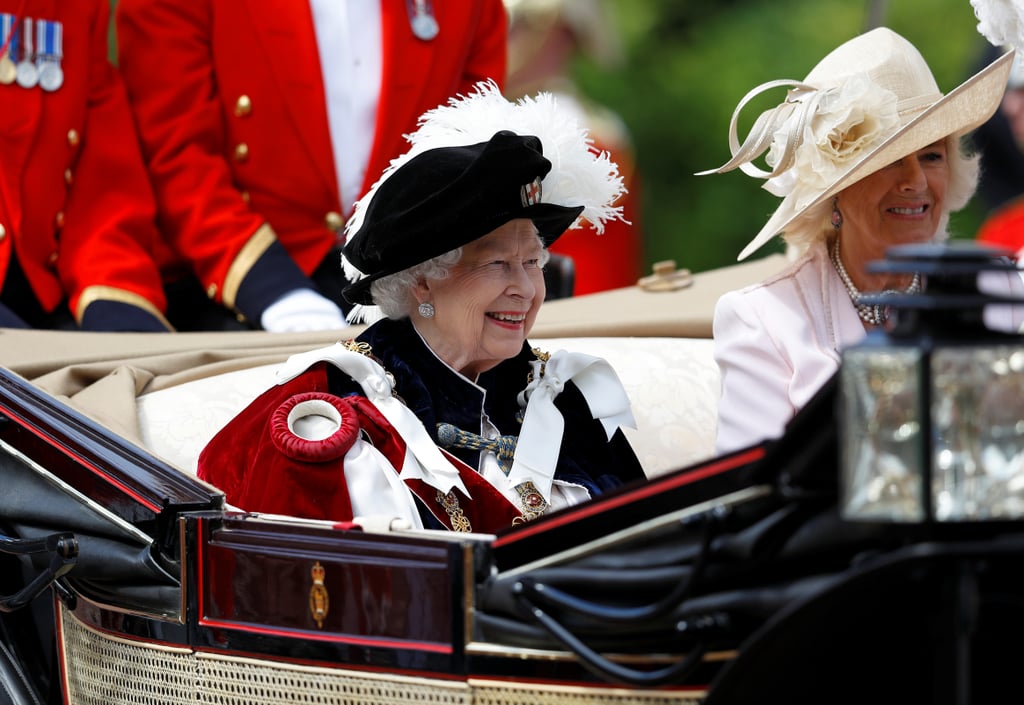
855	259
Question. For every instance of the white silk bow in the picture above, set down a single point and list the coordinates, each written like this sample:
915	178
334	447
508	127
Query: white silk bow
543	425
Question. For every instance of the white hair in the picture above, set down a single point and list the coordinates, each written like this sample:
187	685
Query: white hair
392	295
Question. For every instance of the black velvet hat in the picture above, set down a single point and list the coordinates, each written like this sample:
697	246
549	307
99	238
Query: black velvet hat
447	197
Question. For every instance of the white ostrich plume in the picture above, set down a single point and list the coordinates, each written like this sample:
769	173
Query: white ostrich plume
580	175
1001	21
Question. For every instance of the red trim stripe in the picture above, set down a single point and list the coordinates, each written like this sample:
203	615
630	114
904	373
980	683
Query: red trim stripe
155	508
589	509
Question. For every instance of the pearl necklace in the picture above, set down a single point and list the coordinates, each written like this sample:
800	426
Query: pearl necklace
872	315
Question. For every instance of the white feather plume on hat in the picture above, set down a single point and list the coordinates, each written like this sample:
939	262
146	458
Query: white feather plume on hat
580	175
1001	21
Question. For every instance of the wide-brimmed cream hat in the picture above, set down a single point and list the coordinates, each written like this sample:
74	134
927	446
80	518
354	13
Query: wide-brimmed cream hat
869	103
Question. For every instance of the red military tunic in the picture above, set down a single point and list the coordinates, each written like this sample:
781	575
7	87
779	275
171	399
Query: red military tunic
75	203
1005	228
229	99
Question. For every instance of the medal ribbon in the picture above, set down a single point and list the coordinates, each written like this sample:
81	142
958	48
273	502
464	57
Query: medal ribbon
7	25
28	52
49	39
10	28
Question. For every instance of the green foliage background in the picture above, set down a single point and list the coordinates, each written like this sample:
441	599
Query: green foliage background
689	62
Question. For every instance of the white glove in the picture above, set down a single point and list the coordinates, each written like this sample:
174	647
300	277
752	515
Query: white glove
302	310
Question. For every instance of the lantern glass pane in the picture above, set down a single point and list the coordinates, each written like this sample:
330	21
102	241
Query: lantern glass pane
880	421
978	442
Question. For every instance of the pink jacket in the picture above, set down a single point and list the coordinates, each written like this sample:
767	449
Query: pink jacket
778	342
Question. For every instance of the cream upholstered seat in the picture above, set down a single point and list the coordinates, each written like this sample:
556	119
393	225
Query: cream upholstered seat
673	385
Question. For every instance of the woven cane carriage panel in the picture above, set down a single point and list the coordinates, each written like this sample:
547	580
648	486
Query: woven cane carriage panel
101	669
493	693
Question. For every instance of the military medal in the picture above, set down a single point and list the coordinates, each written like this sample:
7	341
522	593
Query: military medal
8	71
49	40
27	74
421	19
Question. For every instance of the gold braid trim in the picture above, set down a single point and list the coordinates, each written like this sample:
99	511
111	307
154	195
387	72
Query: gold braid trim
92	294
260	241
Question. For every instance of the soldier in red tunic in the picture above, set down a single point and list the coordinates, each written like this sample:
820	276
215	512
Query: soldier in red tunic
76	210
263	122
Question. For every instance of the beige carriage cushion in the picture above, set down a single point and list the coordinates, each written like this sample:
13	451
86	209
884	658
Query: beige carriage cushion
673	384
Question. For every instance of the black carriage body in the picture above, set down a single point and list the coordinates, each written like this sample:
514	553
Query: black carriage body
242	602
717	583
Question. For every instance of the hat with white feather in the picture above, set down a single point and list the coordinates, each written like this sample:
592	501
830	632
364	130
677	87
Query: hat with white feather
475	164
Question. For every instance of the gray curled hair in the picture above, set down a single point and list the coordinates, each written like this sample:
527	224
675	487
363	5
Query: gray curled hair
815	225
393	293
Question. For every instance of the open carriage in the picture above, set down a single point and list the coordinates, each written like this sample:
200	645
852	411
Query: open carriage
124	579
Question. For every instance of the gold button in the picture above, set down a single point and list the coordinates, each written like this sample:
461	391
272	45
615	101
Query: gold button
211	290
3	231
334	221
245	196
52	258
241	152
243	106
69	177
58	220
73	137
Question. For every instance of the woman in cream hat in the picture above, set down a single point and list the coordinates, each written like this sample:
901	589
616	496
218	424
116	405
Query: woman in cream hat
866	154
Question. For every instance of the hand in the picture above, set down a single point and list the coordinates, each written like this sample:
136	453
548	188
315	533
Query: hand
302	310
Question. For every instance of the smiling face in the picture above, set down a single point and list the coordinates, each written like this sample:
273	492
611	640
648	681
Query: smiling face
486	307
899	204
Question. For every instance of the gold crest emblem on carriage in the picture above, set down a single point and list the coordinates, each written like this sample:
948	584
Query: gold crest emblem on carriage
319	600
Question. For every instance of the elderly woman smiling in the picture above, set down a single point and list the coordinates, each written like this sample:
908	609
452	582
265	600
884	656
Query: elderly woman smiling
440	413
866	154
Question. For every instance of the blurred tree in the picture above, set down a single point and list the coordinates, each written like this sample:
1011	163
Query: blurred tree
688	63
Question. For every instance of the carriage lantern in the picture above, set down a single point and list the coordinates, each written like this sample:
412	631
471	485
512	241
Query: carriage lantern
931	406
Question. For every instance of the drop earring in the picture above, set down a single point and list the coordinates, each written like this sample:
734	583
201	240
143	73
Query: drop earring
426	309
837	217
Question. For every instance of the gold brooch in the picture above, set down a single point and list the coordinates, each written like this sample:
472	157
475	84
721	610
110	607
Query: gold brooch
450	502
532	502
358	347
365	349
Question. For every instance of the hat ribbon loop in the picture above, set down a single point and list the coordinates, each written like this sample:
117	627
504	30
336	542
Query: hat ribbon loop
791	115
